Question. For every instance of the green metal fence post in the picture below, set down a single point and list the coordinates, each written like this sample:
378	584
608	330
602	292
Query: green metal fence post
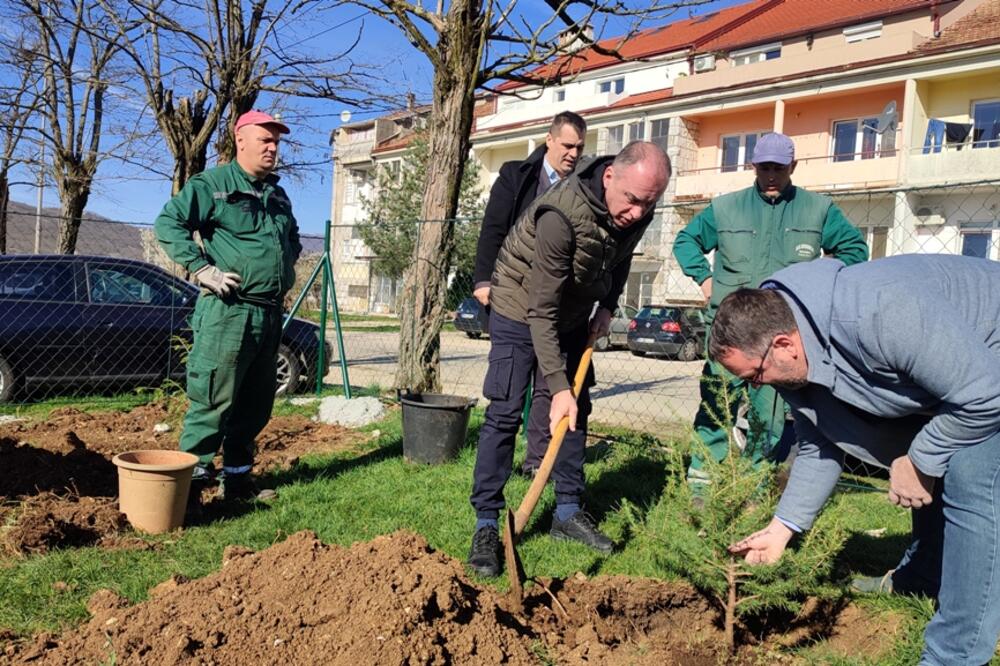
328	279
324	262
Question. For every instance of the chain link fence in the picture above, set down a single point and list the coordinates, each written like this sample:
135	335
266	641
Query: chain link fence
114	318
118	320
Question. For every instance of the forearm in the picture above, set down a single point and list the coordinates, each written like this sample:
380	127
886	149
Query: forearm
843	240
693	242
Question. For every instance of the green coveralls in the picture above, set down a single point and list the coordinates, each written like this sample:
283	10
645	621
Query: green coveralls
246	227
752	238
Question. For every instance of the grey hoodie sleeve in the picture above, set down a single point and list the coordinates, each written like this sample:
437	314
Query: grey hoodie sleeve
928	342
814	474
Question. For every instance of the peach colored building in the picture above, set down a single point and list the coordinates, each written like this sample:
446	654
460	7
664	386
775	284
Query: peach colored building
706	87
823	73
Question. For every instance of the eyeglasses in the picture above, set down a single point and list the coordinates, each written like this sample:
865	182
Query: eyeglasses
758	376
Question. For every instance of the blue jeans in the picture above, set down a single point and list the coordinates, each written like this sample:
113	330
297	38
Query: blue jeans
934	136
959	534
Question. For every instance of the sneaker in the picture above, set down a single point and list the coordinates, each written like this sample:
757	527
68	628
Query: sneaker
484	557
874	584
241	488
581	527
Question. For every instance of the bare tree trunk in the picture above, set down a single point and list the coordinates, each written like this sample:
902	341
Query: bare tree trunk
426	281
73	204
4	199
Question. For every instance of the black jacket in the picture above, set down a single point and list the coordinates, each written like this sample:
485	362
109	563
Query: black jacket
513	190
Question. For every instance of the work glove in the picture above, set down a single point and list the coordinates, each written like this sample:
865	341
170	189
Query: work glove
217	282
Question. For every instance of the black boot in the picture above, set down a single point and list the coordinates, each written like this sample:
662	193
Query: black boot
581	527
484	557
241	488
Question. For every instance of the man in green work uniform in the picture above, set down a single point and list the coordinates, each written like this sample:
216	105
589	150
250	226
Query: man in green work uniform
754	232
244	264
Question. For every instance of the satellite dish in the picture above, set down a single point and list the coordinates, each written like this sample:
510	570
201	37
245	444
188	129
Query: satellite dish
887	119
345	116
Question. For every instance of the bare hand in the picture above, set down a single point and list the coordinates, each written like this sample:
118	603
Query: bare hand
217	282
563	404
764	546
482	295
600	325
908	486
706	288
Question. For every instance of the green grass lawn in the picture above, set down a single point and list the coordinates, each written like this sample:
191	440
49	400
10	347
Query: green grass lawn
355	496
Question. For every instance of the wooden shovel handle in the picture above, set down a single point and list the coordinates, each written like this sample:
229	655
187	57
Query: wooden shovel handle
523	512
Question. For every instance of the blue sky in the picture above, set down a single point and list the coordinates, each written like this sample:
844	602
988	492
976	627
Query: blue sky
128	194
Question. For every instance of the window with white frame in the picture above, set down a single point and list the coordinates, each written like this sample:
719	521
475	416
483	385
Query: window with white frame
857	139
559	95
636	131
755	54
658	130
737	150
859	33
352	182
979	239
986	124
616	86
616	139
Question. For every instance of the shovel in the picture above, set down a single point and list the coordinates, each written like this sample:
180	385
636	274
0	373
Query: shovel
515	521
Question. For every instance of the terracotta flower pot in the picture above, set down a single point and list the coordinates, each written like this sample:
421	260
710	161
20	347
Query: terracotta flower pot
153	488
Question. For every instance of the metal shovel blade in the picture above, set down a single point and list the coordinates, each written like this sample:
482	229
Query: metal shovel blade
515	572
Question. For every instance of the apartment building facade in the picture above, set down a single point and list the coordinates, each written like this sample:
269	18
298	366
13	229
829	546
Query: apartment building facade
894	106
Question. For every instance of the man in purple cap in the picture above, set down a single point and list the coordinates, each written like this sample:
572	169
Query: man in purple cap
245	263
755	232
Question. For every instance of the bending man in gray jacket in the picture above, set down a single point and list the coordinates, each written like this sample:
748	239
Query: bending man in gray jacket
896	362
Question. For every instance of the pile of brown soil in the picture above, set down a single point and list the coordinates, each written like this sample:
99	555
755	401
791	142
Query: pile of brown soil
60	470
389	601
48	520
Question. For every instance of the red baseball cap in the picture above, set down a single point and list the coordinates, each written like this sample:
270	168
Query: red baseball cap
256	117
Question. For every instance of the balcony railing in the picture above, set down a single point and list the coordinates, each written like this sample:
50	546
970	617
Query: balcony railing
952	164
823	172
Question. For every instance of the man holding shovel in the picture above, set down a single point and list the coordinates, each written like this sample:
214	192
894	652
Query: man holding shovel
570	249
520	181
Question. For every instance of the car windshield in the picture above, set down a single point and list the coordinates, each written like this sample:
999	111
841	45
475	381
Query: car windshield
656	312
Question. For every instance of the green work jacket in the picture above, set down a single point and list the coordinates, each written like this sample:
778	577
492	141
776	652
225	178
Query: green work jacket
246	227
753	237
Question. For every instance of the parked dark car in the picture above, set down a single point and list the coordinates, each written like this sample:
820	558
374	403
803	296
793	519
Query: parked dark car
70	322
471	317
621	318
669	330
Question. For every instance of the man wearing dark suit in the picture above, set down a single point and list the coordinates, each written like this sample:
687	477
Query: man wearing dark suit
520	181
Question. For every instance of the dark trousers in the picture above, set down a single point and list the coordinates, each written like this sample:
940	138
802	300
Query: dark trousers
511	365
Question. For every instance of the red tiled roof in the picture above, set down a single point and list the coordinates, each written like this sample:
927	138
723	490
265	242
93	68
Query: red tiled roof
982	24
668	38
799	17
